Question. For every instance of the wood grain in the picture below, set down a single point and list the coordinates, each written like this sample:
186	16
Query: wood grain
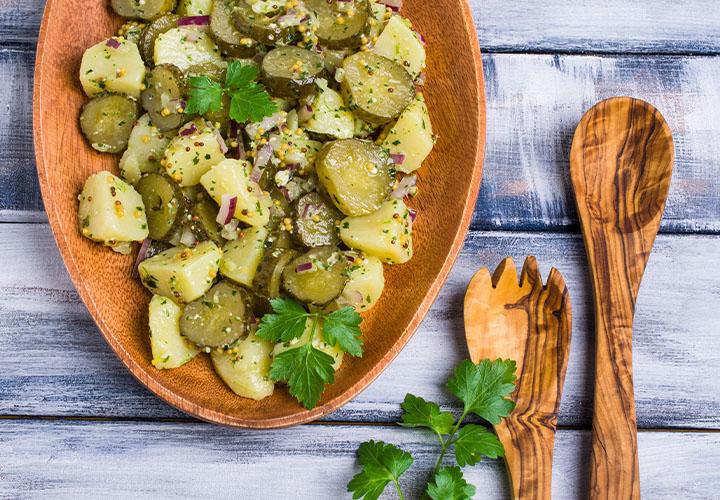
526	184
530	323
56	459
621	164
55	362
450	180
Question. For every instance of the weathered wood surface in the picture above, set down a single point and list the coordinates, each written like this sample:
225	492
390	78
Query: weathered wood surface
55	362
636	26
534	104
629	26
56	459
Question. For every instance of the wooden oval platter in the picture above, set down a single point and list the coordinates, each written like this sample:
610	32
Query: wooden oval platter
449	185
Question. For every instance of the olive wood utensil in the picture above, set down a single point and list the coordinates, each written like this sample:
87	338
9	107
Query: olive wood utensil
530	323
620	164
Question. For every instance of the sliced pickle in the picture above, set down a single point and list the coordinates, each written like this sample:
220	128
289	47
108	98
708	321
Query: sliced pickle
356	174
163	97
107	121
338	30
150	34
203	221
218	318
375	88
260	27
268	277
163	202
142	9
226	36
291	71
318	276
315	221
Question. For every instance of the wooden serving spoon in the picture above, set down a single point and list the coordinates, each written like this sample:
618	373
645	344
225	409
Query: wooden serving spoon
620	165
530	323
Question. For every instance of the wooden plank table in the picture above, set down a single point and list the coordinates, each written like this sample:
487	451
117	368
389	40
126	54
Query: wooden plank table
74	423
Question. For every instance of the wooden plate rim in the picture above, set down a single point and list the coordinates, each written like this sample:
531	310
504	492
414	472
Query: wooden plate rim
59	233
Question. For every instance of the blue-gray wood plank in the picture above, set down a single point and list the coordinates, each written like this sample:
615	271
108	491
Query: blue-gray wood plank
534	103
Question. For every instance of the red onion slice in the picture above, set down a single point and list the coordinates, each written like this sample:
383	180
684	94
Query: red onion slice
304	267
229	230
413	214
263	157
305	111
141	256
395	5
188	129
421	38
404	186
227	209
285	193
113	43
221	142
398	158
194	21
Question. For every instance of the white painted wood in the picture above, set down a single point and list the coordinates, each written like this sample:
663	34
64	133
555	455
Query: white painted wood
534	104
655	26
77	460
55	362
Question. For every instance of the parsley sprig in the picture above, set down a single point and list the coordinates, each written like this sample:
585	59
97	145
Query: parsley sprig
484	389
305	368
249	101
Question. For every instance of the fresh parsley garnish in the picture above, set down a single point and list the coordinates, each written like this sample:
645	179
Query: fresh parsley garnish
484	388
305	368
381	463
449	484
249	101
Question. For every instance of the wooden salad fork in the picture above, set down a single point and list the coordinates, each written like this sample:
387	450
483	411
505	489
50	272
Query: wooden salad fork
620	164
530	323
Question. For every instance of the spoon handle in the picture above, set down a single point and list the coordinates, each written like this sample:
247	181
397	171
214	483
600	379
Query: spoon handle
614	461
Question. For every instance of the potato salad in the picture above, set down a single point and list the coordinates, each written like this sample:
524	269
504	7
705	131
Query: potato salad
267	152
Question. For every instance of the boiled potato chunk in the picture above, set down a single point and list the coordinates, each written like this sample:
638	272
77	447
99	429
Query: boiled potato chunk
188	157
411	136
186	47
232	178
182	274
318	343
245	367
111	211
145	149
194	7
365	284
169	348
400	43
330	117
242	256
112	66
385	234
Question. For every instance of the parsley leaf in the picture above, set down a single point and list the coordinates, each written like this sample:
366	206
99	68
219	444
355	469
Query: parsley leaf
205	94
306	368
306	371
474	442
421	413
342	327
248	98
252	103
449	484
240	75
485	387
286	324
381	463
